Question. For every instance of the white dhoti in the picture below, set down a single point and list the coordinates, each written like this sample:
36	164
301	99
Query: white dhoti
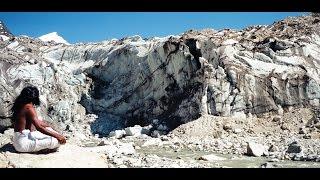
27	141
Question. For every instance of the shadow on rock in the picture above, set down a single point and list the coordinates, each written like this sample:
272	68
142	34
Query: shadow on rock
8	148
105	123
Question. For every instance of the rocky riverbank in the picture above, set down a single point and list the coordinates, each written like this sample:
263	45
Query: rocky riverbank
209	141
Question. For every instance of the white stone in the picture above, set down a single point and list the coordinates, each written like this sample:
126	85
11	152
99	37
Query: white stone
237	130
255	149
133	131
117	134
229	42
211	157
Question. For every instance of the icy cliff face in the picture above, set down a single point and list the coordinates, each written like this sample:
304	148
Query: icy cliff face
174	79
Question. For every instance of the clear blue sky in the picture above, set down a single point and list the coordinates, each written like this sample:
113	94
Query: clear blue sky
93	27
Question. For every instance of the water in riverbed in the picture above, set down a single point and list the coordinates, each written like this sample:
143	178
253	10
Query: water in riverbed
232	161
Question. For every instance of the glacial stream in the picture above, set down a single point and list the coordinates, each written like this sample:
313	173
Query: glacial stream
232	161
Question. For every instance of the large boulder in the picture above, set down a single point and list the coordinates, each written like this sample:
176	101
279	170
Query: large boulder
294	147
254	149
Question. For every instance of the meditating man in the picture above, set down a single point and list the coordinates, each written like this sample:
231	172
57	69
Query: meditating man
30	133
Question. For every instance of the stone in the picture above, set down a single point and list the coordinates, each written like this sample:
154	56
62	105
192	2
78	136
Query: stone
227	127
237	130
298	157
155	121
164	138
284	126
104	142
133	131
294	147
302	130
277	119
280	110
314	102
162	127
307	136
70	128
255	149
273	148
268	165
143	136
155	134
211	157
4	124
9	132
117	134
146	129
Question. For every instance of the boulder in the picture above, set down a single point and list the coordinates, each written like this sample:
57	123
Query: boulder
273	148
133	131
294	147
212	157
254	149
117	133
146	129
237	130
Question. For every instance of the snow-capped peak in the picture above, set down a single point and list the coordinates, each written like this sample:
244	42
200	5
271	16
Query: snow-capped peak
53	37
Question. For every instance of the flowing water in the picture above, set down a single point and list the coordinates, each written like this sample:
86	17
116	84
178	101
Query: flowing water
232	161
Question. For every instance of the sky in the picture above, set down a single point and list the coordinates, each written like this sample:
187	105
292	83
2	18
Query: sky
98	26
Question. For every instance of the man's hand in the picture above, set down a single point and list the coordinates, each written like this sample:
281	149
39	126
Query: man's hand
61	139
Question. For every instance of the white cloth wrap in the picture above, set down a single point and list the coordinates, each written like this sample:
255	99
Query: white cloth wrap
34	141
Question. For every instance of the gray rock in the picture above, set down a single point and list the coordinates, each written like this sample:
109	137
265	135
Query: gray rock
4	124
227	127
302	130
298	157
155	134
277	119
155	121
146	129
294	147
162	127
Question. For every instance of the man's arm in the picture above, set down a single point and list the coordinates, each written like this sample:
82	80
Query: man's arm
41	126
44	124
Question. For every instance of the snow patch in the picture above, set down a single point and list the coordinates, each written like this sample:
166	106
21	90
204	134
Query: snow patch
4	38
13	45
229	42
53	37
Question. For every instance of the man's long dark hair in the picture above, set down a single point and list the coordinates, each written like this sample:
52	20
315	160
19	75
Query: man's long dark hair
27	95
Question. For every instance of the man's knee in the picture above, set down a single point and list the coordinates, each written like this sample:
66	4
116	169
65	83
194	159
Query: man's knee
54	143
